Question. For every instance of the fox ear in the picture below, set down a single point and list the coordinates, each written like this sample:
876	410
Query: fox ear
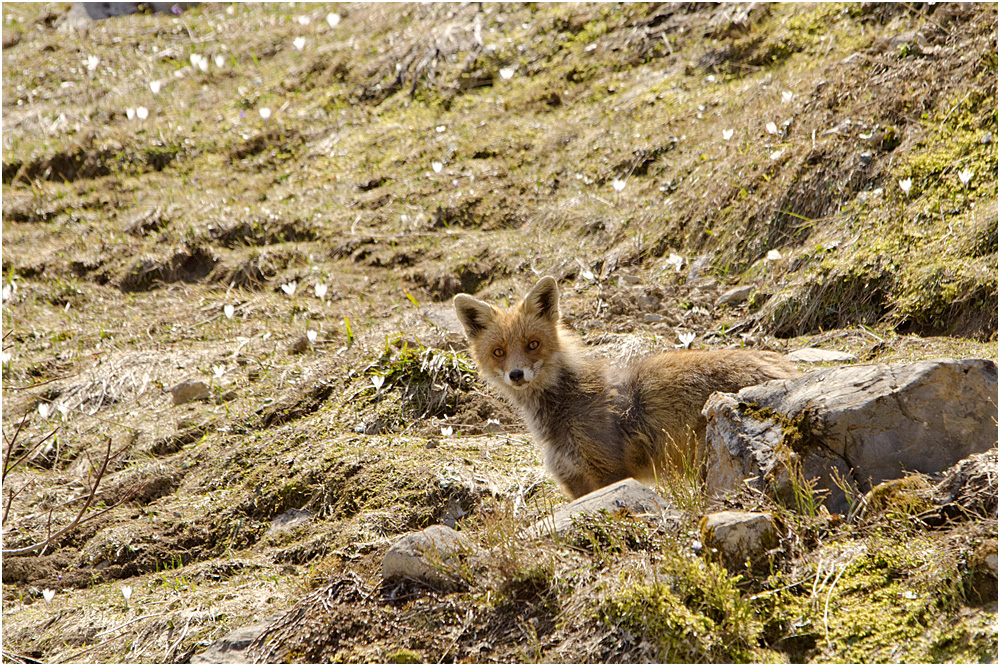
543	300
474	314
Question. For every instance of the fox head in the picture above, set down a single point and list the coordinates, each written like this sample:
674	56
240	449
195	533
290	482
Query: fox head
519	348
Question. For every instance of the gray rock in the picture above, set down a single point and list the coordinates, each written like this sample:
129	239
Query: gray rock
739	538
442	316
188	390
734	296
431	556
628	495
289	520
232	648
863	424
816	355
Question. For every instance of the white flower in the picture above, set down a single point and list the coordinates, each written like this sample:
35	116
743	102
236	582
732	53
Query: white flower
155	86
126	592
198	61
771	128
265	113
447	431
676	261
965	176
299	43
63	410
289	288
440	129
377	381
219	370
5	357
437	166
727	134
228	310
507	72
787	96
8	291
776	155
618	184
686	339
130	113
304	20
906	185
142	113
311	336
48	595
772	255
220	61
92	62
44	410
320	290
332	19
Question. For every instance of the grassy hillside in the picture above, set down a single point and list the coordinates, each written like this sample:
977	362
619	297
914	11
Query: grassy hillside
334	174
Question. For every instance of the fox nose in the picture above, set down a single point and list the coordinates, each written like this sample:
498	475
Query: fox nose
517	375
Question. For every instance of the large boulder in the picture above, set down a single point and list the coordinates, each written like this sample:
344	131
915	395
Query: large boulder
628	495
853	426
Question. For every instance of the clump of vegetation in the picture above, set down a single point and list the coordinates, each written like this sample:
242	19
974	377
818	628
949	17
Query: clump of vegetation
692	612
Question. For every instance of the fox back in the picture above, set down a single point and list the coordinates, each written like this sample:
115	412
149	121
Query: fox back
596	425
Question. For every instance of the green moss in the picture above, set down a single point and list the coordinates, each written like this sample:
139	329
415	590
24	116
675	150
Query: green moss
886	602
404	656
696	614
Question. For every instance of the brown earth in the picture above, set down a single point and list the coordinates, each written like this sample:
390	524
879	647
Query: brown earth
413	152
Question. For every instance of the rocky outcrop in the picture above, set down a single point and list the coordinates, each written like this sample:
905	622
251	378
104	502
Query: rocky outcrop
852	426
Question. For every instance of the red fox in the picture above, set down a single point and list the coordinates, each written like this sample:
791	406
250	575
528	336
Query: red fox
596	425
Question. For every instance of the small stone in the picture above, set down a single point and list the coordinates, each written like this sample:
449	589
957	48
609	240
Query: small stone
628	280
430	556
739	539
232	648
628	495
188	390
289	520
987	138
816	355
734	296
648	302
653	318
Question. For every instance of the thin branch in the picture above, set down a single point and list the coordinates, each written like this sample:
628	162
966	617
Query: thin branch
10	500
10	442
24	457
79	519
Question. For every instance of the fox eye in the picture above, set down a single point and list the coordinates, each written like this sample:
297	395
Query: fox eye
533	345
499	353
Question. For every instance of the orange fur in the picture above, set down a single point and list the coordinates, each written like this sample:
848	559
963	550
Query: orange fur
596	425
